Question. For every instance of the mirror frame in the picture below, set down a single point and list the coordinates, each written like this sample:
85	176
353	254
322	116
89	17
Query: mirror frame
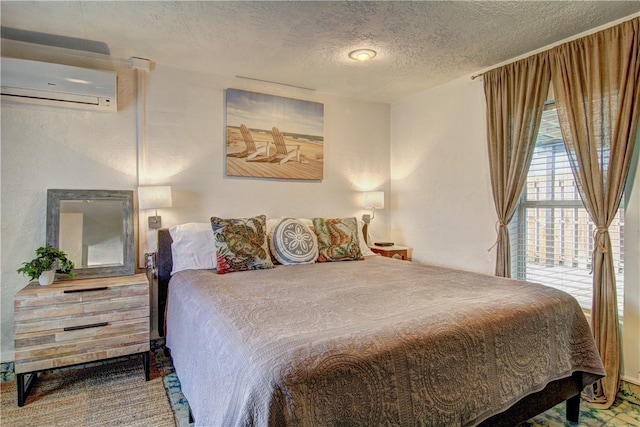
54	197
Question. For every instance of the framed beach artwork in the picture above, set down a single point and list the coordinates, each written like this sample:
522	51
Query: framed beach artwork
274	137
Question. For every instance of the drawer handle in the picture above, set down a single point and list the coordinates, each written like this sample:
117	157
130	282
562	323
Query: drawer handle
94	325
72	291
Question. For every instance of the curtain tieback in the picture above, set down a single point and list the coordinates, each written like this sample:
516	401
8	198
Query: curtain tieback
499	225
601	229
596	234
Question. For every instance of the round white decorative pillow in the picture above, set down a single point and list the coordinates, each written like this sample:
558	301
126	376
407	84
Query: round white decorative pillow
292	242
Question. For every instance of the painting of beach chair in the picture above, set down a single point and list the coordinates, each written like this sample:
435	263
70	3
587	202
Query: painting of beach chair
252	150
283	151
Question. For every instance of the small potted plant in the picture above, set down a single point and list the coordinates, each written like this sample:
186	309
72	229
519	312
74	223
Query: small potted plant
46	264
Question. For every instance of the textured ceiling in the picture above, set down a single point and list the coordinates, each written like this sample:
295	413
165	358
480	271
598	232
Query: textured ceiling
419	44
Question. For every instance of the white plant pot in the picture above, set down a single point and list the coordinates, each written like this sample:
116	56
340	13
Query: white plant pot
46	278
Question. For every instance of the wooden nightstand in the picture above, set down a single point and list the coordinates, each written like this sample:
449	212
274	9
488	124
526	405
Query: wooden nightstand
395	251
79	321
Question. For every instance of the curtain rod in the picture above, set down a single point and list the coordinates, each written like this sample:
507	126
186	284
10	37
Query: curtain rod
566	41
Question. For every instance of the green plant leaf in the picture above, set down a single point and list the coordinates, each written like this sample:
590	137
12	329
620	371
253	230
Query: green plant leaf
47	258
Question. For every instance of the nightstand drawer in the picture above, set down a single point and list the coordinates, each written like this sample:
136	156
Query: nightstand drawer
60	312
67	293
38	351
46	324
82	331
73	356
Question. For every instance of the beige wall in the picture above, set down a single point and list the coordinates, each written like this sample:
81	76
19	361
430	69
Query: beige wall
442	202
49	147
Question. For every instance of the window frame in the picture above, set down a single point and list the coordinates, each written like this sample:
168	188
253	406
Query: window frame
520	237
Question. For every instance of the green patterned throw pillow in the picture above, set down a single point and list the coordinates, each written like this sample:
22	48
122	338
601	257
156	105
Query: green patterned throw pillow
241	244
337	239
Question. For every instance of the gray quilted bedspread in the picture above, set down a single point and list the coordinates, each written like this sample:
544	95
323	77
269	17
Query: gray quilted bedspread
368	343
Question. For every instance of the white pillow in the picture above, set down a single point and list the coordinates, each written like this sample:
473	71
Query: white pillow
193	247
366	251
307	221
271	223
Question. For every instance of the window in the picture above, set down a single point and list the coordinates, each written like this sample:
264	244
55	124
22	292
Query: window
552	230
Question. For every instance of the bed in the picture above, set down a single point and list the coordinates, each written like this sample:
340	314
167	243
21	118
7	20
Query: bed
372	342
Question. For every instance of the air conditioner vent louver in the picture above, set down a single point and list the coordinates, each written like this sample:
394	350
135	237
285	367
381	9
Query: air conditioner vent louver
56	84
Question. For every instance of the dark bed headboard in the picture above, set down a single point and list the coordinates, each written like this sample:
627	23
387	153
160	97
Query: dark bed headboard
165	264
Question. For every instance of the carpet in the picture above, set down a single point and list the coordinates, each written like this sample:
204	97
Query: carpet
105	395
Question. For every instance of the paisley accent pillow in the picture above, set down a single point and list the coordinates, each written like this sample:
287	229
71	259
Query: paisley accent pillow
337	239
292	242
241	244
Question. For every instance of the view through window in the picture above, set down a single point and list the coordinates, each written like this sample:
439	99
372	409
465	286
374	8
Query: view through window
554	237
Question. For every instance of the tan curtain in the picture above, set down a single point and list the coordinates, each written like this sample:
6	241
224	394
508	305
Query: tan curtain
597	85
515	96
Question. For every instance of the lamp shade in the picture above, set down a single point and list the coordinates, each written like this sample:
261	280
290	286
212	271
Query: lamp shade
373	199
154	197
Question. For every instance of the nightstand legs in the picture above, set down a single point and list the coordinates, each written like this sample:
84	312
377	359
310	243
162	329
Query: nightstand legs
25	388
145	363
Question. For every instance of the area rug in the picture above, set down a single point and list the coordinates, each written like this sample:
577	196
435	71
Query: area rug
113	394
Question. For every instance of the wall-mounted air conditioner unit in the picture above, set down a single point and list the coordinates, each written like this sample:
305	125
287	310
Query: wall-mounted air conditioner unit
56	84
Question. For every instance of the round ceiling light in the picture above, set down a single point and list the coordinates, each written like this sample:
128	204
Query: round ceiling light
362	54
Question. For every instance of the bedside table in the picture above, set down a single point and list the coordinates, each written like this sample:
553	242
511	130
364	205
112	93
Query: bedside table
395	251
79	321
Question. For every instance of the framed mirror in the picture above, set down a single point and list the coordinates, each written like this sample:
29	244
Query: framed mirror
94	228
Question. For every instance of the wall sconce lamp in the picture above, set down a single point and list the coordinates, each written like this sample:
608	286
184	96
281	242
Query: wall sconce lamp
153	198
371	200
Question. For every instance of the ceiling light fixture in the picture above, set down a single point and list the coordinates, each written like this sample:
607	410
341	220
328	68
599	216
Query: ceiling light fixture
362	54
